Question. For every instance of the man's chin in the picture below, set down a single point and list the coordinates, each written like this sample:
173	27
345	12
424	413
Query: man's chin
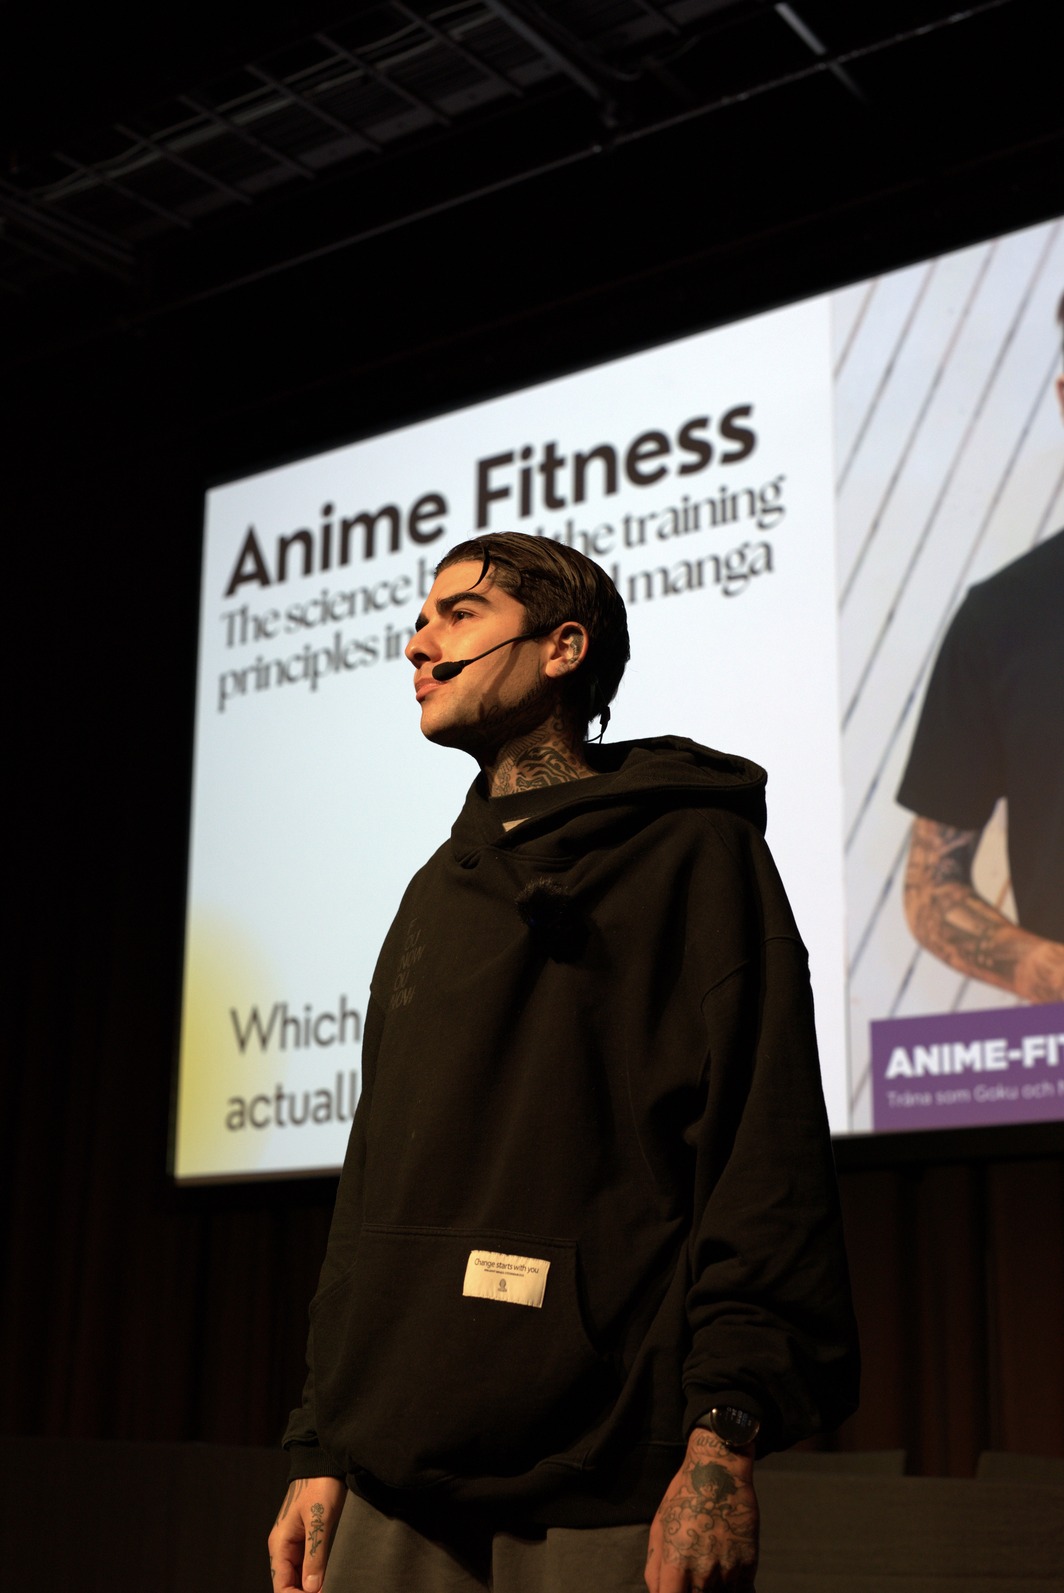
440	732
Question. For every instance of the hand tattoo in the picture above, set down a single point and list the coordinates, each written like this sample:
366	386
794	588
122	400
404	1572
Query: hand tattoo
709	1517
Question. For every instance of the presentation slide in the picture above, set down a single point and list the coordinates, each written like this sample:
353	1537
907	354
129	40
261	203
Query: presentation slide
949	511
793	508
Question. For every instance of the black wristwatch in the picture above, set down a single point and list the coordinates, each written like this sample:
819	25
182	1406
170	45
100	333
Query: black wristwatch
733	1426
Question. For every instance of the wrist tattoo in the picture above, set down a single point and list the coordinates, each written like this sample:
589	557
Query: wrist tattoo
295	1488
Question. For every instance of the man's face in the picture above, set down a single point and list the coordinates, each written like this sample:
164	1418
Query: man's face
499	697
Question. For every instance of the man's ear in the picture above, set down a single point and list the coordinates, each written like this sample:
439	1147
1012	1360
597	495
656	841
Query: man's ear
566	649
1060	393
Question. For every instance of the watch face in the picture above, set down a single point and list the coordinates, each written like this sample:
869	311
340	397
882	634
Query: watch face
734	1426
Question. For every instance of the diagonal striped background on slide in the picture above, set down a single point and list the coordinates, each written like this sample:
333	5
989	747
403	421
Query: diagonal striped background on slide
950	460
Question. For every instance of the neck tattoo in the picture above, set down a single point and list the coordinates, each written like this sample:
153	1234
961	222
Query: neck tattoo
549	755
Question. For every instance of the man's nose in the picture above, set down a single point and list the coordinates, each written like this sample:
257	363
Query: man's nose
419	647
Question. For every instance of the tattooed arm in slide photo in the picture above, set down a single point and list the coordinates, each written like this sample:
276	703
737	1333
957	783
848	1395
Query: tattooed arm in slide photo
948	916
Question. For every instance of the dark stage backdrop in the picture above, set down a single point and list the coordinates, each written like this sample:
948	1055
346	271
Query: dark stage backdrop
134	1310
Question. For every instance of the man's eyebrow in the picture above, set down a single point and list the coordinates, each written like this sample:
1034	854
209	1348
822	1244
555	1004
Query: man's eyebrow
444	605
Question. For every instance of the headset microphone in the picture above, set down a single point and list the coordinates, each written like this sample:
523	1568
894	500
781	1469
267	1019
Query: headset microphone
449	671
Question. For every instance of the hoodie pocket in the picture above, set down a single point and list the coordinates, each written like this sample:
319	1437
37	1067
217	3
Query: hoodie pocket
416	1380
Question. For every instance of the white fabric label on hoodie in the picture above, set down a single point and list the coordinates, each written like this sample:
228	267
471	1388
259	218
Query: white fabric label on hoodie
515	1280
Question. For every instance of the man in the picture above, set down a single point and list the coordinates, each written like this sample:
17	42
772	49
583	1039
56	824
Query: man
586	1257
992	726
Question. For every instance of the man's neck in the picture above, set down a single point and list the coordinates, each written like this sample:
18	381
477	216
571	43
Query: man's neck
548	755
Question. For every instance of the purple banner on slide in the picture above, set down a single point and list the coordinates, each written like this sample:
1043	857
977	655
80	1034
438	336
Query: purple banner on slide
969	1069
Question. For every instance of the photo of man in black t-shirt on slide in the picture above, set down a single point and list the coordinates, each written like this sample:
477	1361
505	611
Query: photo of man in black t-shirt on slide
992	726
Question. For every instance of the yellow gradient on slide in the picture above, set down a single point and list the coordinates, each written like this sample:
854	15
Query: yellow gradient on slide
224	970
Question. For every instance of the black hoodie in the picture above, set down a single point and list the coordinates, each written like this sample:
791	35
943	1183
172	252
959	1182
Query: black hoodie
589	1045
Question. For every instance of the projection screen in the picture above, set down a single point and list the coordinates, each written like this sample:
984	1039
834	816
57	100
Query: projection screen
793	507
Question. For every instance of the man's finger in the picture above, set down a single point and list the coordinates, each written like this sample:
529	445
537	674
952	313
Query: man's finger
319	1534
285	1558
283	1574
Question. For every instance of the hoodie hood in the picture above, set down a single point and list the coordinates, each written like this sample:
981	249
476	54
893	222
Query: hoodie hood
630	779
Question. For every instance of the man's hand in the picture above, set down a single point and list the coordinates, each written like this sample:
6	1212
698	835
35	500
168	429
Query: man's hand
704	1535
301	1536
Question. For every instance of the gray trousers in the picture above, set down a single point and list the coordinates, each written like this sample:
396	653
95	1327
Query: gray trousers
375	1553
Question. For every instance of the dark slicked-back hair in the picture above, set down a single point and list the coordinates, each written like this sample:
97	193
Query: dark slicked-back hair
555	583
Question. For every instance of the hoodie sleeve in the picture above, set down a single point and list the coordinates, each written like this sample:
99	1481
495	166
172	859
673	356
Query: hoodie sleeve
307	1458
771	1322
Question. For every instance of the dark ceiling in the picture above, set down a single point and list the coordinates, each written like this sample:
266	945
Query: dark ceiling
160	161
